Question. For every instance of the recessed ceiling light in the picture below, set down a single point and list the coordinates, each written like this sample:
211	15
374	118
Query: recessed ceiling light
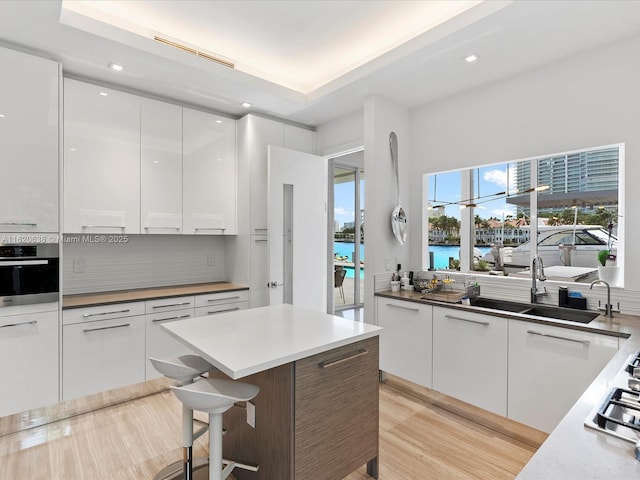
1	115
471	58
104	94
218	121
246	104
72	149
116	67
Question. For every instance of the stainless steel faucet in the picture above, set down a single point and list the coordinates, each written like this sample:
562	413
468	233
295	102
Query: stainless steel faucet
608	308
537	273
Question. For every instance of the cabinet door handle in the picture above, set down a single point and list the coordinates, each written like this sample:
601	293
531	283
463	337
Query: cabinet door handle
225	310
32	322
162	228
259	240
261	229
172	305
220	299
19	224
104	226
87	330
87	315
177	317
339	361
401	307
210	228
584	342
479	322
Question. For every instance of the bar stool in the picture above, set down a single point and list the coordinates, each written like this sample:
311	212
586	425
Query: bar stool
216	396
184	369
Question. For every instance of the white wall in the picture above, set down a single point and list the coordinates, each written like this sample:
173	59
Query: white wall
381	117
340	135
587	100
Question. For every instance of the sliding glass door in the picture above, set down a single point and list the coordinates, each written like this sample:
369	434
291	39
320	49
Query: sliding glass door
348	241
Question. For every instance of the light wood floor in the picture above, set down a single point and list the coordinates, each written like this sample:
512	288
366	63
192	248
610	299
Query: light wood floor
134	440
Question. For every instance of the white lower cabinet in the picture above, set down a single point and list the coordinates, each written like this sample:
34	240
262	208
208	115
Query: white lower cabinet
105	351
406	341
28	360
159	344
549	368
470	357
212	303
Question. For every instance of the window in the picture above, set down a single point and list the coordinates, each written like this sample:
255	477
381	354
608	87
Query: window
572	199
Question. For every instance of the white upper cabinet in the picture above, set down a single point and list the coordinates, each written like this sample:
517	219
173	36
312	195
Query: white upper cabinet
263	132
209	174
29	92
161	167
258	133
101	160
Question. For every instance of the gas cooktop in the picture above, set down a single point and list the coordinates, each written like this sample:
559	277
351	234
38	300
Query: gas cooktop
619	412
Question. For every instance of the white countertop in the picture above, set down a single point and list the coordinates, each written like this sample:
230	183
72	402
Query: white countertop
249	341
573	451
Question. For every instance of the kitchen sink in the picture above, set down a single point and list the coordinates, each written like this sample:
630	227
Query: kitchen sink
499	304
547	311
580	316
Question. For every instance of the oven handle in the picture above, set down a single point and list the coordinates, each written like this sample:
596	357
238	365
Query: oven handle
19	263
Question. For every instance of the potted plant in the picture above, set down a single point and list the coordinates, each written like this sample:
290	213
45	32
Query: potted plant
607	268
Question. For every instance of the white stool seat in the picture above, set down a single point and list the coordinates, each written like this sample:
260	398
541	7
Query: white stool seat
183	368
214	395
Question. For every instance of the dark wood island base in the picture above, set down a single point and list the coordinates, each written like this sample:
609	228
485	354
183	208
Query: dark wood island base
316	418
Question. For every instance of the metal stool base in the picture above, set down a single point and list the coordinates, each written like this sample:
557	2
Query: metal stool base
175	471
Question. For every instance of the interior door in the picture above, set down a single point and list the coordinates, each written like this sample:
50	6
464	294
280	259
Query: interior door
297	221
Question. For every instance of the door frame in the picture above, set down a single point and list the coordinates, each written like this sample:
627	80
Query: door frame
334	162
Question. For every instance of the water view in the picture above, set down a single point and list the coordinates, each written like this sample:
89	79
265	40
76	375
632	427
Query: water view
441	255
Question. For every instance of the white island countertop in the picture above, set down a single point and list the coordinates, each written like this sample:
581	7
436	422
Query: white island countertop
249	341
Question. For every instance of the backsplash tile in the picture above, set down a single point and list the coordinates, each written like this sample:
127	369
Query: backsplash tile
141	261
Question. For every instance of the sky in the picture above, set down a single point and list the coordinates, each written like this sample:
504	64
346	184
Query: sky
488	181
344	201
492	179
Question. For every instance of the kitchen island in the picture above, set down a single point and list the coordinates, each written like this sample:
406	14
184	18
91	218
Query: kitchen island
316	416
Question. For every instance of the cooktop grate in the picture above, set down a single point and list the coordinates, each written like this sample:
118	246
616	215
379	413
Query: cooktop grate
620	413
634	362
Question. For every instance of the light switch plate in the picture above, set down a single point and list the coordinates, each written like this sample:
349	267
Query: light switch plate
211	260
78	265
251	414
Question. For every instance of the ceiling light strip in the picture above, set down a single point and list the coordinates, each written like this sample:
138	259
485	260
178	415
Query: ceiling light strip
193	51
216	59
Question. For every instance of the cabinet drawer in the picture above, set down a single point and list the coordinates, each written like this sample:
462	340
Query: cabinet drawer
222	308
221	298
159	344
102	355
102	312
169	304
336	411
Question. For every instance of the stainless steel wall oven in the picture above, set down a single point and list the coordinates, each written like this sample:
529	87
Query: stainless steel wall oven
29	274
